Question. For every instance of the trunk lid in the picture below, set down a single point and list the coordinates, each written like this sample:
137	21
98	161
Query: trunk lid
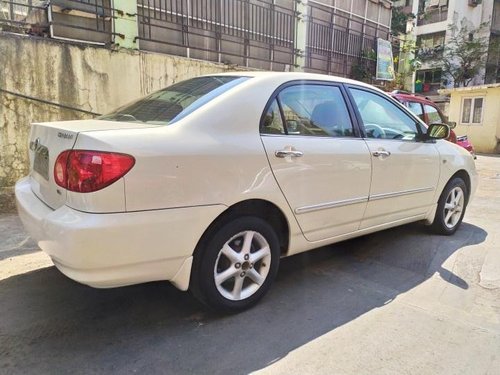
48	140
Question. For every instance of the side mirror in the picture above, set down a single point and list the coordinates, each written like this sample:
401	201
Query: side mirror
438	131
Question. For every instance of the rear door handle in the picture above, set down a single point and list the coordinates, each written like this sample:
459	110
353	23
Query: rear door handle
381	153
288	152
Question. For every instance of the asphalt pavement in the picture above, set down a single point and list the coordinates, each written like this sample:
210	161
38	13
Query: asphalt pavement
401	301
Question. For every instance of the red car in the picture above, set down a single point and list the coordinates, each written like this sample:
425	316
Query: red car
429	113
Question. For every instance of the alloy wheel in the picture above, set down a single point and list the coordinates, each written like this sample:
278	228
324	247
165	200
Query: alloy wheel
454	206
242	265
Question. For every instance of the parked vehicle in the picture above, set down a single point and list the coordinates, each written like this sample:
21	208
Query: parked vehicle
430	113
207	183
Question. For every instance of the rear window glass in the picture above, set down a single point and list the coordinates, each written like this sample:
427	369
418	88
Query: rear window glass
174	102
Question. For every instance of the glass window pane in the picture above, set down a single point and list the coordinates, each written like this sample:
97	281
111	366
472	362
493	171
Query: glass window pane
174	102
478	110
437	76
466	109
416	108
315	110
382	118
433	114
273	124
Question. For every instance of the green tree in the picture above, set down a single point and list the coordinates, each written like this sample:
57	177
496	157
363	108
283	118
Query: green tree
399	20
465	53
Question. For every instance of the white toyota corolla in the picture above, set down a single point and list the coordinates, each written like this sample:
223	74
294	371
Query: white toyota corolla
207	183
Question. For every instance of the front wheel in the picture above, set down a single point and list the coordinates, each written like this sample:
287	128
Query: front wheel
451	207
237	265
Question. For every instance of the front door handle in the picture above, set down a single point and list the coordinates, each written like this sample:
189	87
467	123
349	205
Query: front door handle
288	152
381	153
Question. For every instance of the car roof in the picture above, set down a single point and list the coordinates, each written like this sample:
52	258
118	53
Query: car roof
412	98
292	76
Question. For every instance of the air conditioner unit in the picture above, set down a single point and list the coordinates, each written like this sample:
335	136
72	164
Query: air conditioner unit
475	3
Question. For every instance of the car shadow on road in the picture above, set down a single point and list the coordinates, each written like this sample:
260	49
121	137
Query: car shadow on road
50	324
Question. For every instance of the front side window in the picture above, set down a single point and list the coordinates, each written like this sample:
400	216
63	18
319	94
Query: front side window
433	114
383	119
174	102
472	110
315	110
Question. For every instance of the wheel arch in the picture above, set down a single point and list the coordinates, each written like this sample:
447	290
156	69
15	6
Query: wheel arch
462	173
252	207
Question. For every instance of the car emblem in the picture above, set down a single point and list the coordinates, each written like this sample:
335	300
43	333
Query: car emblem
65	135
34	144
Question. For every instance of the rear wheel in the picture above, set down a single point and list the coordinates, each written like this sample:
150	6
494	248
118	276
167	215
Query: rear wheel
451	207
237	265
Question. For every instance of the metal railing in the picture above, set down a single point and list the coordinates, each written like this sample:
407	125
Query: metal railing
23	16
85	20
79	20
338	42
432	16
254	33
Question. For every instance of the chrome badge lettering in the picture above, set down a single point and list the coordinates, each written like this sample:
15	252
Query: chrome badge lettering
65	135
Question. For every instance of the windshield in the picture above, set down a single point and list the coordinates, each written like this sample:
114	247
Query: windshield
174	102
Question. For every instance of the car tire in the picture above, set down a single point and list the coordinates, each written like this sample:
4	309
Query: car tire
451	207
236	265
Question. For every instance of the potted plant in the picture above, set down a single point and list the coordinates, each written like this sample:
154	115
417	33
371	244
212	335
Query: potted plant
418	85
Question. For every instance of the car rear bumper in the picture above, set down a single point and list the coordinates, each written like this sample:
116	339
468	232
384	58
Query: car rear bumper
109	250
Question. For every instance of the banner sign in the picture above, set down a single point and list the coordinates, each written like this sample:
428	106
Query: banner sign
385	62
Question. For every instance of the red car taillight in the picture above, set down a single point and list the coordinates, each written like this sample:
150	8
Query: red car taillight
85	171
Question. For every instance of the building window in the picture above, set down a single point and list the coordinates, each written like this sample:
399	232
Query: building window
472	110
429	76
430	11
430	46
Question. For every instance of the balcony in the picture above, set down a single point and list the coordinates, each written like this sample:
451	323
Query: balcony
432	53
432	16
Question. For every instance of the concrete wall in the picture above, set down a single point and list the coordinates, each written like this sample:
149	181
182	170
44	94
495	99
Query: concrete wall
485	136
90	78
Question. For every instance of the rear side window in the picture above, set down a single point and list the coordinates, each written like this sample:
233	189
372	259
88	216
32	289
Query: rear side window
175	102
310	110
273	123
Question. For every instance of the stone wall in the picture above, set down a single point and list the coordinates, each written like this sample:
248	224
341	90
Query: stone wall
94	79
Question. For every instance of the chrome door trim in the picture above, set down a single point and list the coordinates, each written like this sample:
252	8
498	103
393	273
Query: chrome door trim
347	202
399	193
324	206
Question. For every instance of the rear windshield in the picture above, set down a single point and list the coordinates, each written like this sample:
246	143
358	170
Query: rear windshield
174	102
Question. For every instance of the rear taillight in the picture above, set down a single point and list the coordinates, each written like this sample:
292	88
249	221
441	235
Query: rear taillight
85	171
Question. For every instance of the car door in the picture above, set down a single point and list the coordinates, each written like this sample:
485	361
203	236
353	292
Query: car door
405	170
320	163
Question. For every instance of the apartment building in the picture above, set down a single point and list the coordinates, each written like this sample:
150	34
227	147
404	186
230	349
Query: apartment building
431	32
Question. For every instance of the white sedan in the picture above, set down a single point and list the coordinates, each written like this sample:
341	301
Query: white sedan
208	182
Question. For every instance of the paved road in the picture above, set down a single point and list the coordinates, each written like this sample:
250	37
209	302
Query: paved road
396	302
